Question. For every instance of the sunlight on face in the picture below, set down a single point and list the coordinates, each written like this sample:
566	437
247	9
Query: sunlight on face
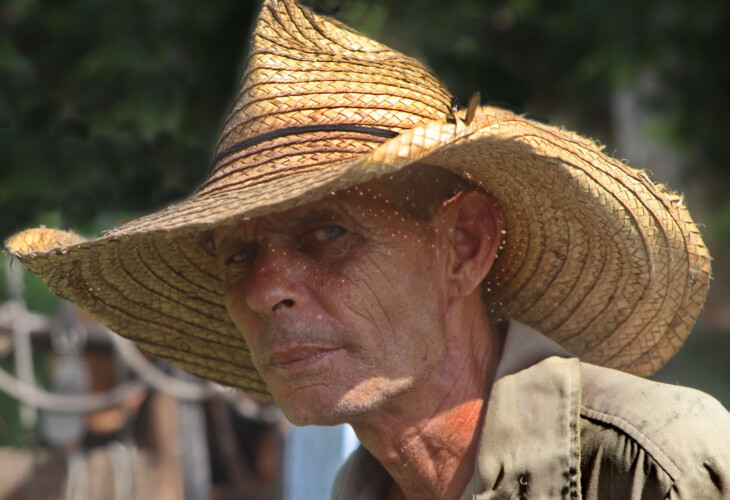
340	301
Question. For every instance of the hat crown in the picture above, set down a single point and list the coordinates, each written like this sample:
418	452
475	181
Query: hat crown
333	92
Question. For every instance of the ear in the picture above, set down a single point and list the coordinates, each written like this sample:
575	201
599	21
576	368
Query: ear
473	226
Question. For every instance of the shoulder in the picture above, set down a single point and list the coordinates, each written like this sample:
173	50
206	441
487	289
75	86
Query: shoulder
659	433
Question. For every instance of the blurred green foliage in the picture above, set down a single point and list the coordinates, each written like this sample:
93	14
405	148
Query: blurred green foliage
12	430
111	107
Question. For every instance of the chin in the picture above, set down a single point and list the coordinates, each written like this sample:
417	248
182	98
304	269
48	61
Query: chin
319	406
316	411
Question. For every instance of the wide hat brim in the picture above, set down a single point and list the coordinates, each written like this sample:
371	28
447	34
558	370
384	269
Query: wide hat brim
595	255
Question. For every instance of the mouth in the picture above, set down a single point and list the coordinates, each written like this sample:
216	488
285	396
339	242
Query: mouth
300	357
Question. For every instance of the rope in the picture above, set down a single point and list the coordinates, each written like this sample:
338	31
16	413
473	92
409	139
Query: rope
15	315
81	403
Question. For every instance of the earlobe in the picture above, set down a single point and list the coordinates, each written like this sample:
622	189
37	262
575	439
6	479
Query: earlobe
476	228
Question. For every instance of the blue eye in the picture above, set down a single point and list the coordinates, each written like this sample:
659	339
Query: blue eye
244	255
328	233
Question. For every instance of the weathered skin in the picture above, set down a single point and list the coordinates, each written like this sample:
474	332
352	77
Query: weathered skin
355	311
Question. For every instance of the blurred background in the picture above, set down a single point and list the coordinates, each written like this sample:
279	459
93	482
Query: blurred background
111	109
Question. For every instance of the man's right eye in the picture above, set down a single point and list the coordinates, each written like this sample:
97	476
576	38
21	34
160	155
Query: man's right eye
246	254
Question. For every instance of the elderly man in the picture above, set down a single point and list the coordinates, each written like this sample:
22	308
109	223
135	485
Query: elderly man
364	253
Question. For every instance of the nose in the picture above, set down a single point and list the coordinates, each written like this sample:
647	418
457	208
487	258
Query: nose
276	283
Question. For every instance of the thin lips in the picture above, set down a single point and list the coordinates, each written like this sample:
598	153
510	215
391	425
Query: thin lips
294	354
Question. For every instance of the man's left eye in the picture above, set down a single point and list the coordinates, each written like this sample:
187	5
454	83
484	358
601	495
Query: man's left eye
328	233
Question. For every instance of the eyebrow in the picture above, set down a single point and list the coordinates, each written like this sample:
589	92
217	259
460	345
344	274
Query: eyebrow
319	214
314	216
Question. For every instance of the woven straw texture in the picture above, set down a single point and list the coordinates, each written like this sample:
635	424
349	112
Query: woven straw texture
595	255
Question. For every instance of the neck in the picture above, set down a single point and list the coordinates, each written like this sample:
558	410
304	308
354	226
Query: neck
427	438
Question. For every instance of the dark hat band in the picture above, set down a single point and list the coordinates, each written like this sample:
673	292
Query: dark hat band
304	129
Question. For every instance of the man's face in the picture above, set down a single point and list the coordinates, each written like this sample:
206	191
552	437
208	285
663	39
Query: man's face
340	301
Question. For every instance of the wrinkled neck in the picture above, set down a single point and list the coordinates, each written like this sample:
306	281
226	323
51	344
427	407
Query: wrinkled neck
427	438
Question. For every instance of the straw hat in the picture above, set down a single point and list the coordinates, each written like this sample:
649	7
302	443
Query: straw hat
595	256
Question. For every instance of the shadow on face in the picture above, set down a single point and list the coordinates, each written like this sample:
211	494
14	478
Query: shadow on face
343	301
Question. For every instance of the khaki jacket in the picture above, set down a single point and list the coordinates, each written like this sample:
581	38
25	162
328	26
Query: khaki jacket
559	428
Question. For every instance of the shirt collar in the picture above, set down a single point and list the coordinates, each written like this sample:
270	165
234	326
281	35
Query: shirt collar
529	441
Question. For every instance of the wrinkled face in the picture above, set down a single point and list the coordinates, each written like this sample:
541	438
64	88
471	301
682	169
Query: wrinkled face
340	301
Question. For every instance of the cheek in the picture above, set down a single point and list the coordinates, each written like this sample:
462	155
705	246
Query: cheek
378	291
247	322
